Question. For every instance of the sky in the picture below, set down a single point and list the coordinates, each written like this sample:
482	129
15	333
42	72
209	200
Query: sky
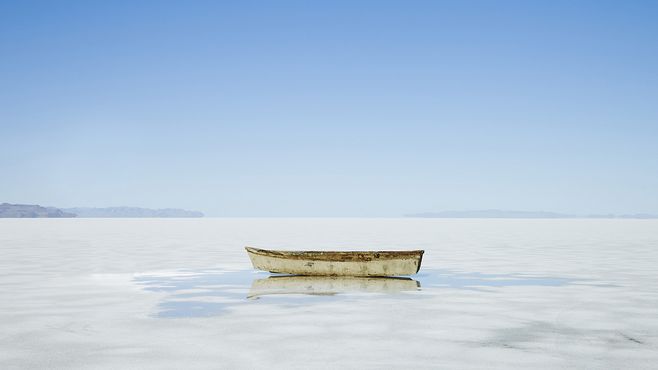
330	108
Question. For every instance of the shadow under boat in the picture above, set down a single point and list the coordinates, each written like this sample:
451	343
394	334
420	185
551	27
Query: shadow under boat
330	285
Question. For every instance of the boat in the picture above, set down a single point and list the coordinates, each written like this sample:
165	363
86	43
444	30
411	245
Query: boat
330	285
337	263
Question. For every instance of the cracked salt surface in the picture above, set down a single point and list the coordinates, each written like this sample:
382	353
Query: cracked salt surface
113	293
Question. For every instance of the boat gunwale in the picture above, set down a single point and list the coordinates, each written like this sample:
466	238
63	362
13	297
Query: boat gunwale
339	256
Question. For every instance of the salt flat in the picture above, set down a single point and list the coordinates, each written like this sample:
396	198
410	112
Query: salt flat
173	293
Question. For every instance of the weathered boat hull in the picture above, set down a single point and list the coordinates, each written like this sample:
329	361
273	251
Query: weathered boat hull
361	263
330	285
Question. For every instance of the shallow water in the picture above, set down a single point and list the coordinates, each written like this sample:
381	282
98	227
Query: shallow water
208	292
163	293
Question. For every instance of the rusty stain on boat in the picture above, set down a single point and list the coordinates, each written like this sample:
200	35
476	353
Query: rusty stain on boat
337	263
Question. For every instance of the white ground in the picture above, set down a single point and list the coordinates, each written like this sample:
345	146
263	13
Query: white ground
122	294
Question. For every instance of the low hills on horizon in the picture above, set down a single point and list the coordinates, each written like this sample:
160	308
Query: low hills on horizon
36	211
8	210
90	212
31	211
497	213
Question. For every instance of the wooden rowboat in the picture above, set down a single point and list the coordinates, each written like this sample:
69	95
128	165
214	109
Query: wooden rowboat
352	263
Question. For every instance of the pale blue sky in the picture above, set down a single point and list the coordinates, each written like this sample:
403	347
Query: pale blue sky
348	108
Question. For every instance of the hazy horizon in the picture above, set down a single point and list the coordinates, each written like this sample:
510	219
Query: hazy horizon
125	211
428	184
346	109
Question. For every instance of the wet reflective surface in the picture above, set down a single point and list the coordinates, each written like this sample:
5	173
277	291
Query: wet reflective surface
207	292
327	285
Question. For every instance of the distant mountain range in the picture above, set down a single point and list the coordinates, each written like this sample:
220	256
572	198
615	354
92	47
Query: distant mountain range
31	211
132	212
35	211
497	213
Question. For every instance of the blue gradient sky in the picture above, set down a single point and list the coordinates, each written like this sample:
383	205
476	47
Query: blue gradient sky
330	108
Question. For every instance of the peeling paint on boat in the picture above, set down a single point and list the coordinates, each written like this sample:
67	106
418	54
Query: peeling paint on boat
334	263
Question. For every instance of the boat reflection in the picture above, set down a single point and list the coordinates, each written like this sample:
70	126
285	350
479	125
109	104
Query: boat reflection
330	285
214	291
